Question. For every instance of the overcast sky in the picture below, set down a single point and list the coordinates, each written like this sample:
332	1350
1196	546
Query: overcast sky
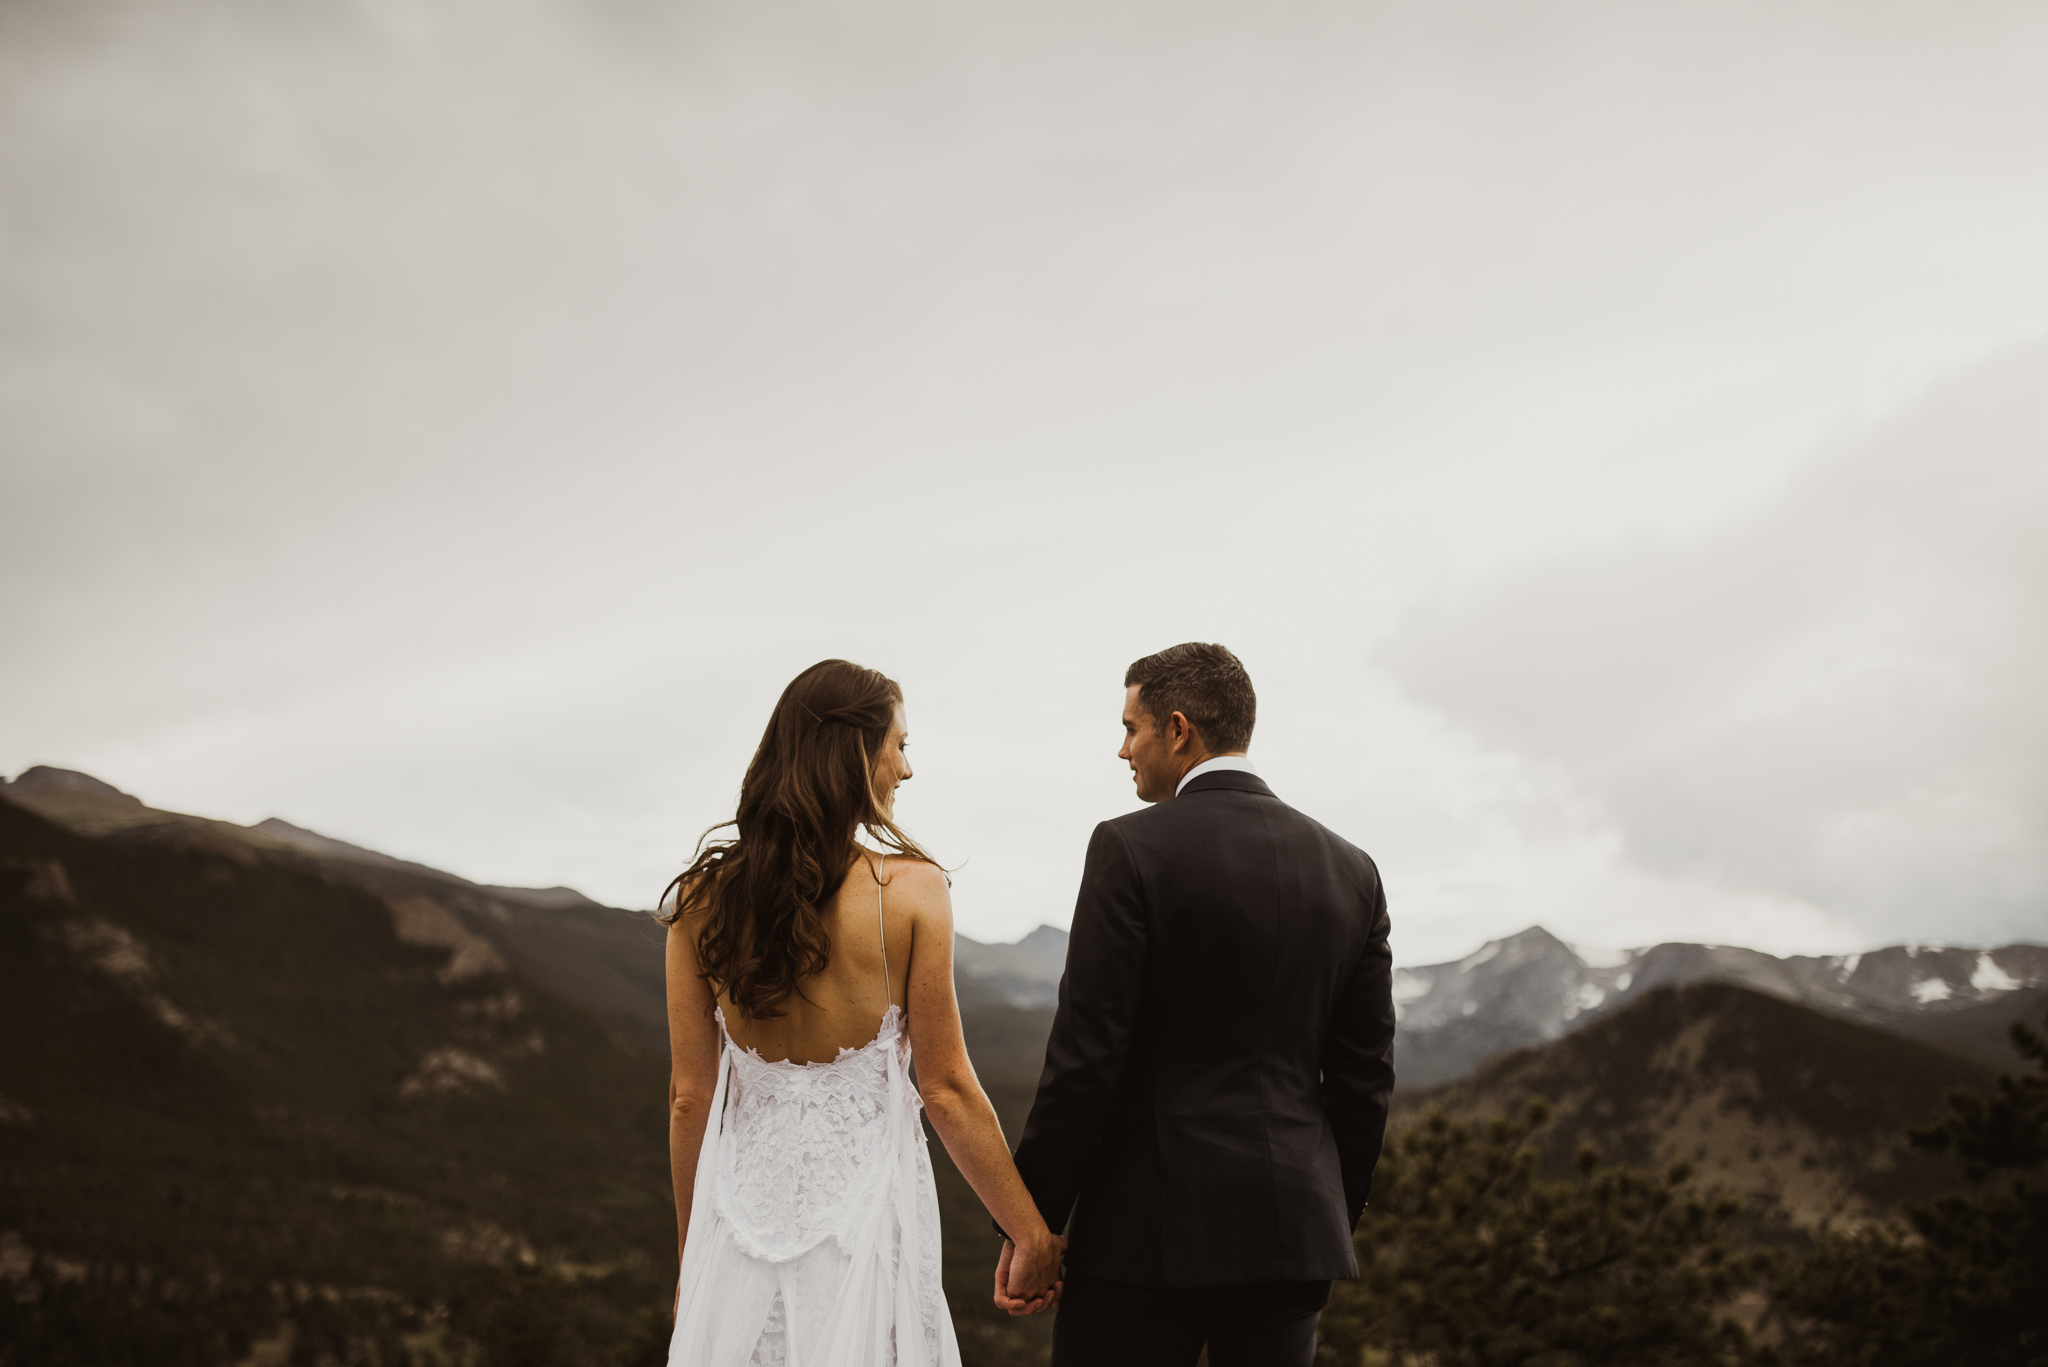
1615	436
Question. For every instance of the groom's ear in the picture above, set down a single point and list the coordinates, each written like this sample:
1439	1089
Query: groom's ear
1178	728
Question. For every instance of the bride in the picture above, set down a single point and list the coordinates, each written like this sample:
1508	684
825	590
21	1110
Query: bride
804	970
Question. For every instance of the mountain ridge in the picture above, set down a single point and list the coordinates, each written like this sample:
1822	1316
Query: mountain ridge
231	1074
1786	1106
423	1098
1532	988
1023	975
252	1057
1511	993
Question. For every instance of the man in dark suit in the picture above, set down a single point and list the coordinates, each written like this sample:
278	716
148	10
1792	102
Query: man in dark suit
1216	1084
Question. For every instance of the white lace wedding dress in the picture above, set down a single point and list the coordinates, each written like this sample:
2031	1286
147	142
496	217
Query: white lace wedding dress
814	1232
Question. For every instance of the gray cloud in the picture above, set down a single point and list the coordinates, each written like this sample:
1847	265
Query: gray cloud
447	423
1837	697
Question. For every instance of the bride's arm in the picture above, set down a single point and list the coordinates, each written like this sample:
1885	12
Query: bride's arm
960	1111
693	1069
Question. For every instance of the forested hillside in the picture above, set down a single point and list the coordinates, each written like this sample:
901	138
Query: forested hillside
251	1109
269	1098
1764	1098
279	1098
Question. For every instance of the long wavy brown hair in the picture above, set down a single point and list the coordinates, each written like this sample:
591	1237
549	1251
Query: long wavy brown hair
759	897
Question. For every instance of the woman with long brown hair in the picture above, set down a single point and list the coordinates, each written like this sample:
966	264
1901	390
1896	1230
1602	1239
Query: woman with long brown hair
804	970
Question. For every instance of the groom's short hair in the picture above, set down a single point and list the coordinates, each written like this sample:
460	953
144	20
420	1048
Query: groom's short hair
1204	683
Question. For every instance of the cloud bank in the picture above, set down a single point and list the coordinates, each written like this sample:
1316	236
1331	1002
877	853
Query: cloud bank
447	424
1836	698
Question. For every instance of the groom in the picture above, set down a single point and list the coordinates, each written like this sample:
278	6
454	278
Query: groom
1215	1087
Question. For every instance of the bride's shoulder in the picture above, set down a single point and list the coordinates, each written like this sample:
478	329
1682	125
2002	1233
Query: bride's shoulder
917	879
685	895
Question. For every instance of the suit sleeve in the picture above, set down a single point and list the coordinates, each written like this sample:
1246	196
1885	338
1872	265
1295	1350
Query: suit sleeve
1087	1053
1358	1059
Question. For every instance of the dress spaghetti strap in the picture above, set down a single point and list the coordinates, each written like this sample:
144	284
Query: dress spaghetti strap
882	927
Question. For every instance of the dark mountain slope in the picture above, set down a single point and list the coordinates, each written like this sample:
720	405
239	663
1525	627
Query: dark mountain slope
604	960
254	1057
245	1087
1766	1097
600	958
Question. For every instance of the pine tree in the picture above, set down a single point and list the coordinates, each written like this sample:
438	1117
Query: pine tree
1467	1258
1967	1280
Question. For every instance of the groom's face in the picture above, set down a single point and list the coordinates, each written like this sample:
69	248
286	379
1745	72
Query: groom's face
1155	764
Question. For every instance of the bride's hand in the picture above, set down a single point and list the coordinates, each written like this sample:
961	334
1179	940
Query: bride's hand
1005	1301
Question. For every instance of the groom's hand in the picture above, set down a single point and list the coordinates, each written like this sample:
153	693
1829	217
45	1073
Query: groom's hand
1014	1305
1040	1267
1011	1303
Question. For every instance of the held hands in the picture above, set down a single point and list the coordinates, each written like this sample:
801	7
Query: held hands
1027	1278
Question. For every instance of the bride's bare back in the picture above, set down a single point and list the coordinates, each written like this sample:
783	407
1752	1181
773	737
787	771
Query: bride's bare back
842	1007
888	938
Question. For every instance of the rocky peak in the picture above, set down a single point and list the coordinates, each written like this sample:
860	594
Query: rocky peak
312	842
1532	988
45	780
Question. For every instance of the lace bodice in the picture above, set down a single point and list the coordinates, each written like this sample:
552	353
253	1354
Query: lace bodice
808	1144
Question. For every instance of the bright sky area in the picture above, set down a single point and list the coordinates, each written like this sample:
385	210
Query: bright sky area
1615	436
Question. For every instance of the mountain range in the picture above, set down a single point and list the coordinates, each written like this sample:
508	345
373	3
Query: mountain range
1781	1105
1532	988
263	1104
1524	990
270	1096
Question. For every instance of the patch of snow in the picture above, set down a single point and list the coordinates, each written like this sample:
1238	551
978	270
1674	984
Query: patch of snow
1931	990
1410	986
1470	1008
1845	966
1481	955
1621	983
1587	997
1602	958
1989	977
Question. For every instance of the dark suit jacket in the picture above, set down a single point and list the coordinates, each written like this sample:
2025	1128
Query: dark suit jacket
1215	1088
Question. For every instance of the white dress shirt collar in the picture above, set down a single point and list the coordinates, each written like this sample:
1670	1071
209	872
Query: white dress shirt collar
1217	764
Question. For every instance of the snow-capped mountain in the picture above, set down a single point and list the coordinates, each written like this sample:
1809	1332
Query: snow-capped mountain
1533	987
